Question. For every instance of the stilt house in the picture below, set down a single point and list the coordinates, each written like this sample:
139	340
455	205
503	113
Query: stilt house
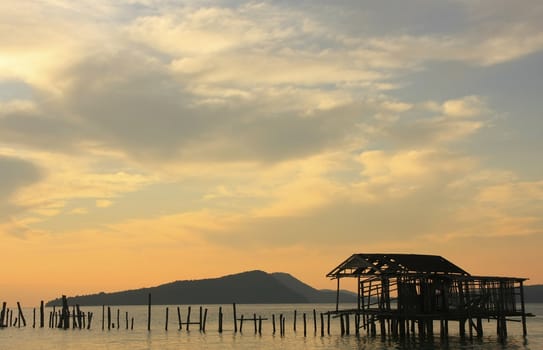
403	293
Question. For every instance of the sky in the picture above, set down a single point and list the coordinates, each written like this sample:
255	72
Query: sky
148	141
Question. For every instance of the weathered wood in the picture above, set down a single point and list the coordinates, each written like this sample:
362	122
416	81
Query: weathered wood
188	317
220	319
305	324
21	316
179	318
3	314
149	312
204	322
235	318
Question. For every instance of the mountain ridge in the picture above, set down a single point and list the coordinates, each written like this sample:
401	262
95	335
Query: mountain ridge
249	287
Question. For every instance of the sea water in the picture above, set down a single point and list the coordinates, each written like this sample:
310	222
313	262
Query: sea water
120	338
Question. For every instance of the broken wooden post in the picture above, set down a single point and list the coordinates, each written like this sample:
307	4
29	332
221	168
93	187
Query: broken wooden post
166	323
42	316
179	318
2	314
220	319
322	324
314	321
65	318
305	331
235	318
188	318
90	320
21	316
149	313
205	319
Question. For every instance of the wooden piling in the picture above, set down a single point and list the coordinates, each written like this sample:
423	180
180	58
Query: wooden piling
241	324
126	319
166	323
2	314
220	319
103	316
34	318
273	323
74	319
118	319
179	318
255	324
149	313
80	317
90	320
108	318
42	316
294	321
205	319
65	319
314	321
132	323
322	324
235	318
305	330
188	317
259	324
200	320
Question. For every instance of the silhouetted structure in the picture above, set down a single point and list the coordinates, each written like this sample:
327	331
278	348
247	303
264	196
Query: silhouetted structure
406	293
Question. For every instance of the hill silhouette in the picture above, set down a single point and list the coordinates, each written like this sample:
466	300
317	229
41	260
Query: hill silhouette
251	287
534	293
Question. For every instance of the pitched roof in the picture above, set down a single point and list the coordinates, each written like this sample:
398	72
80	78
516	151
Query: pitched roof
378	264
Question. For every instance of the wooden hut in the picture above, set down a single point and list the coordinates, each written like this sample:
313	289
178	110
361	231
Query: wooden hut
405	294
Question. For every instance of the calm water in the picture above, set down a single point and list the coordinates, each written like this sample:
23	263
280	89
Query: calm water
159	338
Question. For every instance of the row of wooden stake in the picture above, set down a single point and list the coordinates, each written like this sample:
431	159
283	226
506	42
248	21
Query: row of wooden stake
83	320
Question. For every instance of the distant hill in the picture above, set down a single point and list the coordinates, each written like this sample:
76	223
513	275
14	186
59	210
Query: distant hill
252	287
533	294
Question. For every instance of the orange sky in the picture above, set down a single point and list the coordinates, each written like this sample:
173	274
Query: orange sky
146	142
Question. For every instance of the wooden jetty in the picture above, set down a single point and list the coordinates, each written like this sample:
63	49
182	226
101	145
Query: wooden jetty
406	294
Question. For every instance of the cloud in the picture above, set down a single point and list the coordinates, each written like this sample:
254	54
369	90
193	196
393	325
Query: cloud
16	174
